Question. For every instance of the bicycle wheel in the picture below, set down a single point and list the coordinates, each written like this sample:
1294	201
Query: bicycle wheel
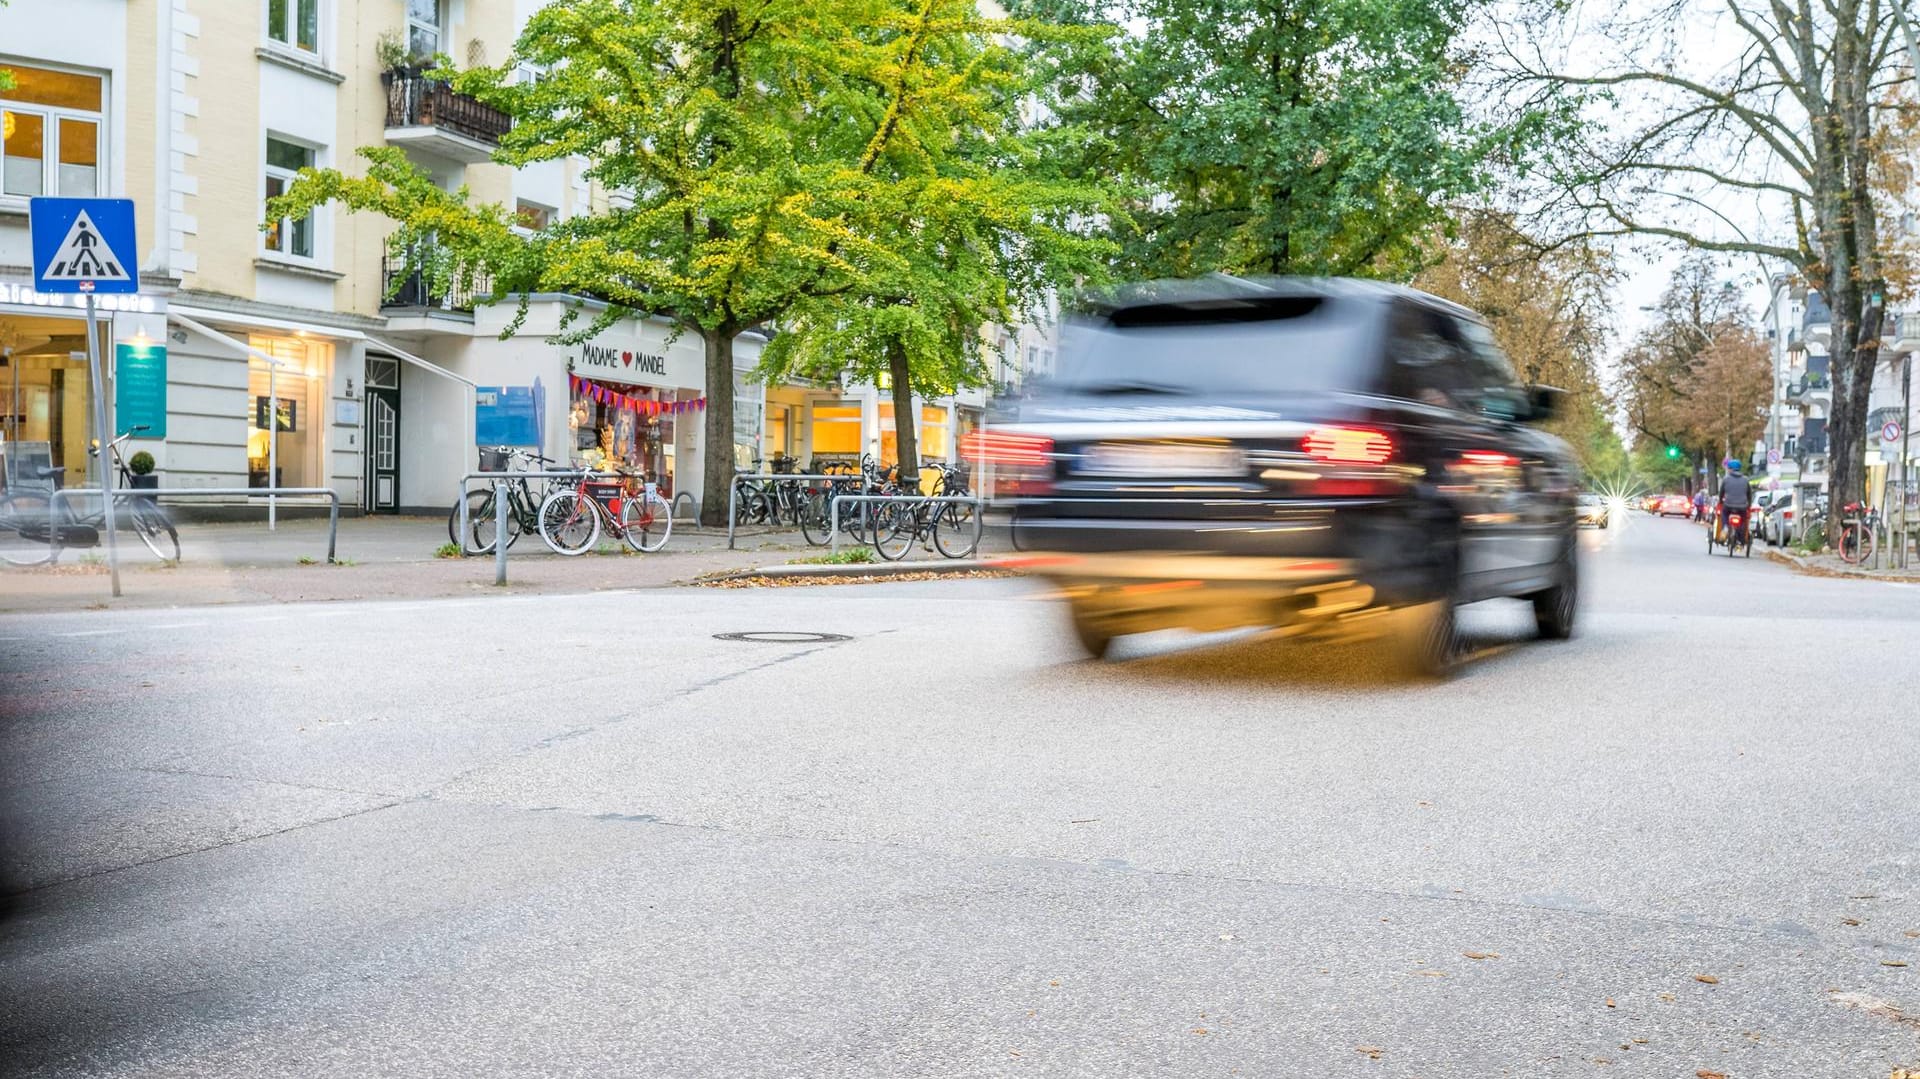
895	526
569	522
645	522
479	535
1849	545
24	524
814	525
156	530
1868	538
956	531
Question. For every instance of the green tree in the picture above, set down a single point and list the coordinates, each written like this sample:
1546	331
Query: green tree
751	148
1281	136
980	224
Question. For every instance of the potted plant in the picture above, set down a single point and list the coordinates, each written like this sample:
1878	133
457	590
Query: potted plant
140	465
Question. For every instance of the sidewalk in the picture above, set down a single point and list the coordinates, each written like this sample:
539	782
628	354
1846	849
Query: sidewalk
1828	564
379	558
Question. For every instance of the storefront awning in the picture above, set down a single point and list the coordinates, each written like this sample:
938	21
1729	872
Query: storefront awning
402	354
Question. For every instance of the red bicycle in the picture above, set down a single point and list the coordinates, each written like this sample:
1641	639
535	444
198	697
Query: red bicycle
572	519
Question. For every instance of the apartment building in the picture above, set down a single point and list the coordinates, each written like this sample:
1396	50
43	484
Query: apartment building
297	353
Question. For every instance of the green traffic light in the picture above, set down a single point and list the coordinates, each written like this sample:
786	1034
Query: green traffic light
1673	453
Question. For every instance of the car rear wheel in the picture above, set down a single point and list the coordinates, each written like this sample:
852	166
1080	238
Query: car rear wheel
1093	634
1554	609
1430	646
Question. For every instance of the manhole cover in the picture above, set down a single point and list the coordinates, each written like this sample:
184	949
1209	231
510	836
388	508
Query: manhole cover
781	636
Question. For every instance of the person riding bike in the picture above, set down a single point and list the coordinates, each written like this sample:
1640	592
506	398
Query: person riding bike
1736	495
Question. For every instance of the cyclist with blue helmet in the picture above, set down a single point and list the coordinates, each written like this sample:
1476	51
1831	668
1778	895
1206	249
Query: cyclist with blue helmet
1736	495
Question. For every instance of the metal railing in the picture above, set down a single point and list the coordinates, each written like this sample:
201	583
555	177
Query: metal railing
733	489
413	100
501	502
833	509
406	285
125	494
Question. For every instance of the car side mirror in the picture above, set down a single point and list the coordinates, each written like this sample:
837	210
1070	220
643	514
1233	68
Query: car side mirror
1543	403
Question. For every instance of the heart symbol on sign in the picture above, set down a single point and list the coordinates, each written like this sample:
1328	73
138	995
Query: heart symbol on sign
627	358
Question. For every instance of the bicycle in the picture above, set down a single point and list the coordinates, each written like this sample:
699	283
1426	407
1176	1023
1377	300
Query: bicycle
953	528
1856	541
29	536
571	520
523	502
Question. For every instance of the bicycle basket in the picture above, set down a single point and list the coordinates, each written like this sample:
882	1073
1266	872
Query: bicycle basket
603	492
494	460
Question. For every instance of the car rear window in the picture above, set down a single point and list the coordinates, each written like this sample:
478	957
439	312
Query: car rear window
1262	345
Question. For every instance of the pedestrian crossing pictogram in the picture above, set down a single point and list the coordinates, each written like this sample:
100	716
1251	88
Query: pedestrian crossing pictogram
84	256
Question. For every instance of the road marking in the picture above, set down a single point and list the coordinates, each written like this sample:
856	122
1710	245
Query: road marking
88	632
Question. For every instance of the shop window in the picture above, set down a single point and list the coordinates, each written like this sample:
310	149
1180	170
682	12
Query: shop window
933	434
288	236
45	390
779	430
295	23
285	418
620	428
531	216
889	439
51	133
748	400
836	428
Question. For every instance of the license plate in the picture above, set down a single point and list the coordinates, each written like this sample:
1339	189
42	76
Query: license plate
1146	459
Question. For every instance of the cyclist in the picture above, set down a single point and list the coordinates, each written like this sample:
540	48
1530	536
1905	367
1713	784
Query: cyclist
1736	494
1700	504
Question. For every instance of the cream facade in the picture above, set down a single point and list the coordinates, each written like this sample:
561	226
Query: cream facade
297	354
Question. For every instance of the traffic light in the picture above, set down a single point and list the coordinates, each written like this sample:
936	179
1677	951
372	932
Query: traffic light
1673	453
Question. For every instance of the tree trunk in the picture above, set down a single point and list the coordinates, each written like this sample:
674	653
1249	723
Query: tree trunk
717	459
903	415
1853	356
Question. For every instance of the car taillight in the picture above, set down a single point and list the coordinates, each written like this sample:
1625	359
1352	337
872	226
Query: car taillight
1006	448
1787	514
1348	445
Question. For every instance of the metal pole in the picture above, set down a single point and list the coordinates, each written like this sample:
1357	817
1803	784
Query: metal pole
1906	432
499	531
273	442
104	419
13	410
333	523
833	524
733	492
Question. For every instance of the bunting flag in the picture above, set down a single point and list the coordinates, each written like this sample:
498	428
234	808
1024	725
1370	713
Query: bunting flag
644	406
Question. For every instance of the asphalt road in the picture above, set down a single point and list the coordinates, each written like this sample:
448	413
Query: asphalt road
580	836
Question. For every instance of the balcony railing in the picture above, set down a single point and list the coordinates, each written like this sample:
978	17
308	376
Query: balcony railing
414	290
1907	327
414	100
1807	385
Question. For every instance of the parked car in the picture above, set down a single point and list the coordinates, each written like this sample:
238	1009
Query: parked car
1776	521
1591	510
1675	506
1287	452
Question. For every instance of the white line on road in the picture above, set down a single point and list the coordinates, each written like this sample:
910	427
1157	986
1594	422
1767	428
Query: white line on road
88	632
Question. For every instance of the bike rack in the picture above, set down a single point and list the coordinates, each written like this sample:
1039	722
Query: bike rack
499	507
833	509
733	489
125	493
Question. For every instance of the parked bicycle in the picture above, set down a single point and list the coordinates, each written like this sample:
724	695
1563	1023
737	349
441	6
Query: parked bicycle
952	528
572	519
769	500
30	535
1857	534
523	501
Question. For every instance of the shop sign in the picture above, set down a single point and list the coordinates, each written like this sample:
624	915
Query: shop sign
629	361
140	388
25	296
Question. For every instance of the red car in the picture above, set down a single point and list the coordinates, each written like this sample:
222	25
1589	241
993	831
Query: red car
1675	506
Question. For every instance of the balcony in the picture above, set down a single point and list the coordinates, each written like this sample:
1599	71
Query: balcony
1810	387
1819	320
409	290
1906	334
426	114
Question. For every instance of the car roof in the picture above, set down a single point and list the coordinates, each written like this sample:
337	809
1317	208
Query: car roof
1222	289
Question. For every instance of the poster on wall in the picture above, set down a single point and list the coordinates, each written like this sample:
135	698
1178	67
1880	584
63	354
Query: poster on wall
505	416
140	388
288	414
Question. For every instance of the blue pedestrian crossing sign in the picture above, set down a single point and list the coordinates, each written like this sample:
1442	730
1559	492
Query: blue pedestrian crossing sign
84	245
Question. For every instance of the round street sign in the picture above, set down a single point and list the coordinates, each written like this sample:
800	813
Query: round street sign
1773	457
1891	432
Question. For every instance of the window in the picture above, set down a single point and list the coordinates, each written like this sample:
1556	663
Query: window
288	236
836	427
295	23
532	216
423	28
285	424
51	133
933	432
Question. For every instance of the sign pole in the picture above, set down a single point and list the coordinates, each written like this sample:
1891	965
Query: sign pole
103	424
273	443
1906	439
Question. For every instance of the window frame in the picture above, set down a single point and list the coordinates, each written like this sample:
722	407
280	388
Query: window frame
438	26
50	117
291	44
270	172
521	205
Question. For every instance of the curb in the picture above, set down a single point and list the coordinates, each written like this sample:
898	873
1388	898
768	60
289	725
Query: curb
1806	567
944	567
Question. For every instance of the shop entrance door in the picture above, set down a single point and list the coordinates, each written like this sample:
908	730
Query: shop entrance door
383	435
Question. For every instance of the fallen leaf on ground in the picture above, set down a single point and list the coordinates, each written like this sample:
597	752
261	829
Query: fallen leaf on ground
1372	1051
1639	1041
1199	1030
1705	1074
1609	1002
1849	921
1481	955
1893	962
1429	973
1912	933
1707	978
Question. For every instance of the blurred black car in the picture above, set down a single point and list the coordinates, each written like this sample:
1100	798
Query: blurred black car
1306	454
